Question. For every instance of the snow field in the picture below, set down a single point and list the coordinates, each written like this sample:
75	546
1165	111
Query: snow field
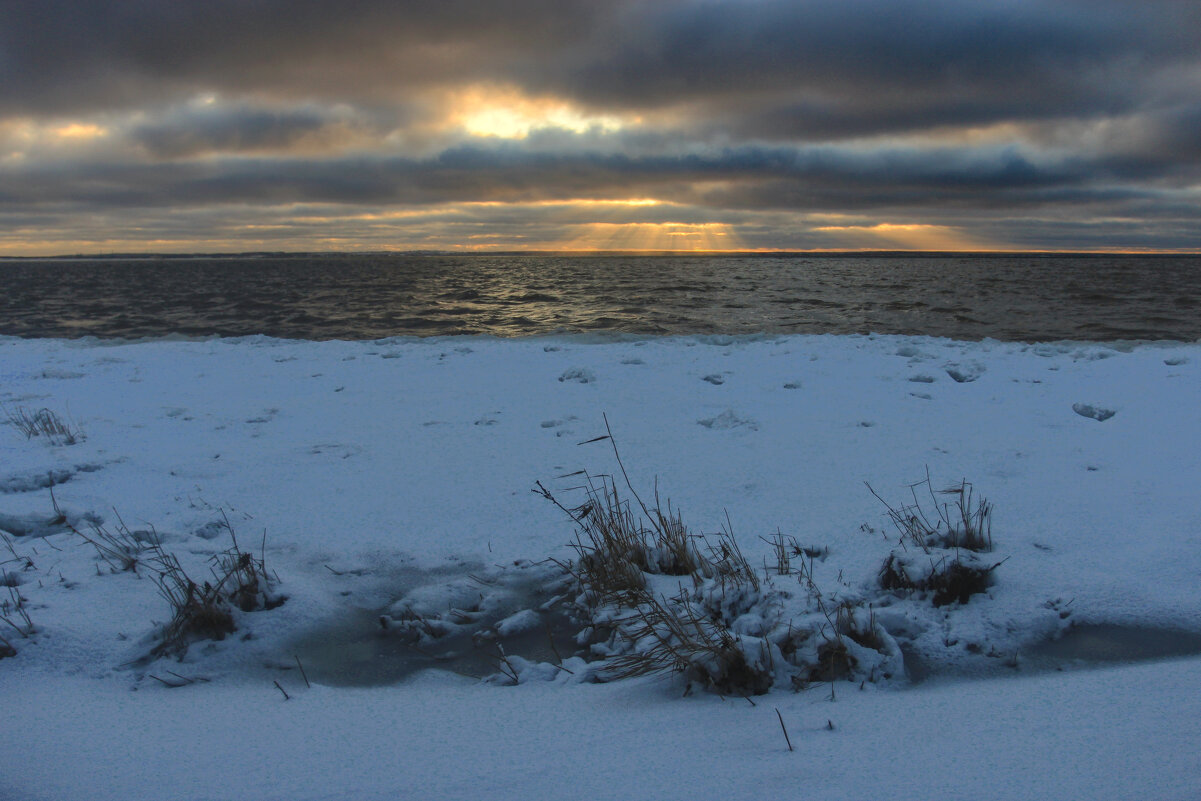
377	469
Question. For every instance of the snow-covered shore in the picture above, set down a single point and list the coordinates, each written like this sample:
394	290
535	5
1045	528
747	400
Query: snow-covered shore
377	467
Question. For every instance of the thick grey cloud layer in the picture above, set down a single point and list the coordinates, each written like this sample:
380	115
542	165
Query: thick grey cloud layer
1019	122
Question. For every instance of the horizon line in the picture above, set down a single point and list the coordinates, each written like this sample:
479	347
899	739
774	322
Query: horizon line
182	254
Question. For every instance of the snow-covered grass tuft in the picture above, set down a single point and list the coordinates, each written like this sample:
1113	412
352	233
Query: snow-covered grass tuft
674	636
206	611
720	626
14	617
965	523
122	550
946	540
43	423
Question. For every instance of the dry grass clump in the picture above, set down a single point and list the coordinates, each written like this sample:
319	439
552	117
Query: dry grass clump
949	538
199	610
964	523
43	423
617	552
620	543
675	638
205	611
14	617
122	550
617	547
947	579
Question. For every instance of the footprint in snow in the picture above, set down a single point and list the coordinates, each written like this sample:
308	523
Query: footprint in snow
266	417
1095	412
334	449
36	481
716	379
35	525
211	530
910	352
922	379
727	420
579	375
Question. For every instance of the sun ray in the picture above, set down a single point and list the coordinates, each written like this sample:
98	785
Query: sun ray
687	237
905	236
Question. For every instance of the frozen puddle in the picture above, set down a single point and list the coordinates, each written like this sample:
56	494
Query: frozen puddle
466	625
1108	643
1080	647
359	652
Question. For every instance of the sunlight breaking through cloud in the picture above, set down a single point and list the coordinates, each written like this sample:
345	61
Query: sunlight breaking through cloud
879	124
908	236
79	130
696	237
506	112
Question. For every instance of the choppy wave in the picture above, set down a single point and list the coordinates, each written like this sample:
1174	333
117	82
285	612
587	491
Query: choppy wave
1024	298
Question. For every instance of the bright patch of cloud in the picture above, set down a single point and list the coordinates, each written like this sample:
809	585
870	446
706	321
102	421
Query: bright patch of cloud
81	131
508	113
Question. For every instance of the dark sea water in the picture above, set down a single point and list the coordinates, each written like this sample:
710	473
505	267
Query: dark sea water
343	296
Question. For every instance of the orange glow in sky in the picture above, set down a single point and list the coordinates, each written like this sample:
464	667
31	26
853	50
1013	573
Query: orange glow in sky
905	237
508	113
693	237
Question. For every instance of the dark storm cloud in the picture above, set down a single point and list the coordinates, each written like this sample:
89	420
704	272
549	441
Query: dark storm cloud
753	177
61	56
873	66
226	130
805	68
192	131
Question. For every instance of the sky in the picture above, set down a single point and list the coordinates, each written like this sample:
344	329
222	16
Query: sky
696	125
